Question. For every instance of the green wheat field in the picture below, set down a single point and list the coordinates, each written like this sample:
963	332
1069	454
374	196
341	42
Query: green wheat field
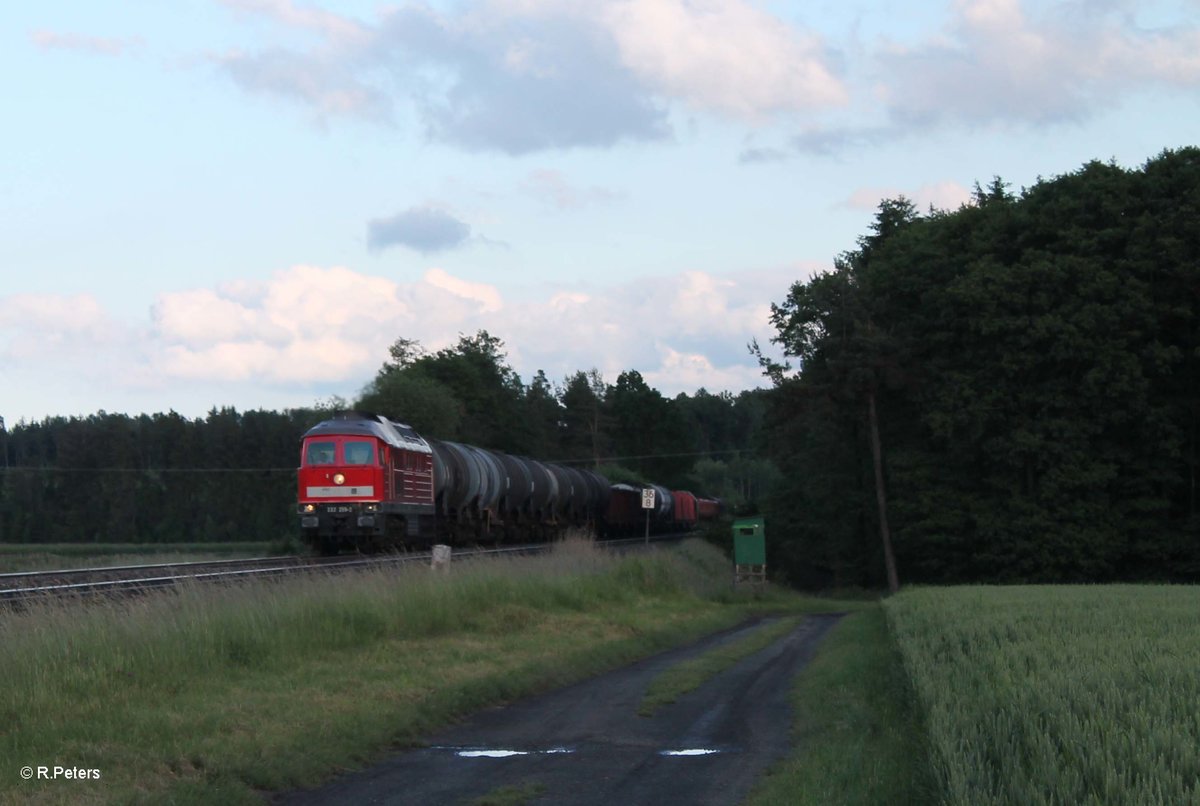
1056	694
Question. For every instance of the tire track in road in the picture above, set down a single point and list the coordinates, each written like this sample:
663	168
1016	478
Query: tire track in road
585	744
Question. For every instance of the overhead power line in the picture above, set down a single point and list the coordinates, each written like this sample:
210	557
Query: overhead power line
648	456
42	468
603	459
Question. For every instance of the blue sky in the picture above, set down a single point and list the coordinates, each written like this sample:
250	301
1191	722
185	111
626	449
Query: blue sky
245	202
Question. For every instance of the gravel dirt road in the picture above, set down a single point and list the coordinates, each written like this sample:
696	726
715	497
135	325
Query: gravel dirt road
586	744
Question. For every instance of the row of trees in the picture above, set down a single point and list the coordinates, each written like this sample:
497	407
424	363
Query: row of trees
1031	364
231	475
469	393
152	478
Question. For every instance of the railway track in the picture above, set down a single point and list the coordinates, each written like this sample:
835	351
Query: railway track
26	586
42	578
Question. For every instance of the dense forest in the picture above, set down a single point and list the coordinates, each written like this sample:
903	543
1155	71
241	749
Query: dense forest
1031	365
231	475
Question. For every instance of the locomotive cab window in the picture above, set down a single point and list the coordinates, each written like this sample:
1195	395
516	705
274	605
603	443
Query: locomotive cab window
319	453
359	453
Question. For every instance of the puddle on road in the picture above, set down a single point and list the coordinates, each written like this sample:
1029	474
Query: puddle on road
490	752
691	752
483	752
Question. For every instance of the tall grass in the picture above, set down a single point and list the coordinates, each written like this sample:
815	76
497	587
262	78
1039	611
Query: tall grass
208	693
1057	695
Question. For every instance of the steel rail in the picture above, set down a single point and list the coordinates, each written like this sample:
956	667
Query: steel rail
101	569
269	567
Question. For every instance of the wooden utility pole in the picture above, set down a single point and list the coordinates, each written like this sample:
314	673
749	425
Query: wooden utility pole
889	559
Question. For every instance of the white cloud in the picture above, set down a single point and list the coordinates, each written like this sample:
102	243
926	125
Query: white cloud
568	300
203	317
65	353
312	325
554	188
722	55
942	196
103	45
946	195
323	82
308	332
998	62
36	325
652	325
306	322
753	155
1007	64
75	313
326	23
486	295
519	76
691	371
310	300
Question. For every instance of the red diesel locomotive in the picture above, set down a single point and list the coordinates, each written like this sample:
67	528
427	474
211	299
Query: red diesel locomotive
364	481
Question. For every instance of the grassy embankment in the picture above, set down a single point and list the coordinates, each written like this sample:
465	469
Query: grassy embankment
212	695
52	556
1056	694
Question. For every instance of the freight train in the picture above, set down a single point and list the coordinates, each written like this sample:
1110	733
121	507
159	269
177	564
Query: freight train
368	483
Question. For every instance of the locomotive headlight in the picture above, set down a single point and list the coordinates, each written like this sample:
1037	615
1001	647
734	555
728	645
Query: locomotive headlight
310	507
338	478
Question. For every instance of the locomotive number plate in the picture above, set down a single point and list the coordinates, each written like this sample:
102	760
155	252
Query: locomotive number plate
363	491
342	510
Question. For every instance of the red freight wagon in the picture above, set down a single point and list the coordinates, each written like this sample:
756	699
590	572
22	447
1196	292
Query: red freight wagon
685	508
624	511
708	509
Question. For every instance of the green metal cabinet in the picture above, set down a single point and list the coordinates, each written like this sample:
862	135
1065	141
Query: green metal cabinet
750	550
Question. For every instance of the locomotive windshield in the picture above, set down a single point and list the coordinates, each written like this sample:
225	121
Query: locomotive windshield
359	453
319	453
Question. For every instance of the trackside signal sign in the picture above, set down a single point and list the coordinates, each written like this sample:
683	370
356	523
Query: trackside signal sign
648	498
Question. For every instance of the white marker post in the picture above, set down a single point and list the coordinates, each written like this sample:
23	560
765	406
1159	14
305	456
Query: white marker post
648	504
441	558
